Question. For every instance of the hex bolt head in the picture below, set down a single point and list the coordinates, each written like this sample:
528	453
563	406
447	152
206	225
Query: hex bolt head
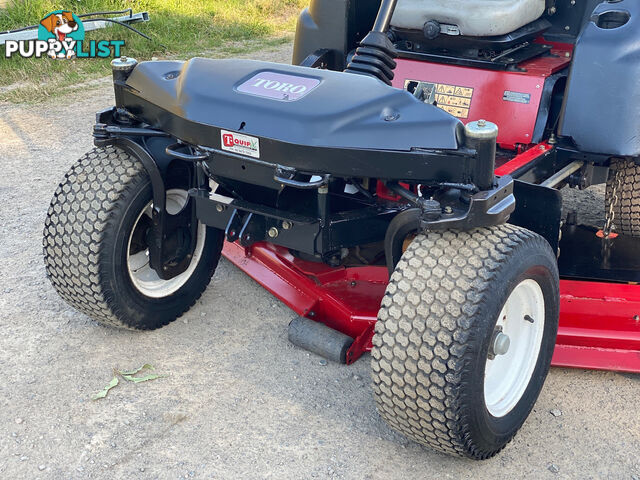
448	210
273	232
219	208
286	225
501	344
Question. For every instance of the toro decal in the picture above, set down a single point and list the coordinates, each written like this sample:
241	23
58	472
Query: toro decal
238	143
279	86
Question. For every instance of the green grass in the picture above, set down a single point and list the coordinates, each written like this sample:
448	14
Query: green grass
178	29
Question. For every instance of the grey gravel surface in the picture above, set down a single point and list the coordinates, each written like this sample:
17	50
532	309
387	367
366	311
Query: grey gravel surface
238	401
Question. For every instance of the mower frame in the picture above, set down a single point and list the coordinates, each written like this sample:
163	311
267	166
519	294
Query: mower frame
297	253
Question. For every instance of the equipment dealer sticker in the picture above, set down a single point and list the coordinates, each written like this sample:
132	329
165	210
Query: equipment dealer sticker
238	143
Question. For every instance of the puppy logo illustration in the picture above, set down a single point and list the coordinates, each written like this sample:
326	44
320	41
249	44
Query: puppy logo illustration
61	35
62	29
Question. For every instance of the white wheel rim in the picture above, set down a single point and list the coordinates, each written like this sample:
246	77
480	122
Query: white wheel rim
144	278
506	377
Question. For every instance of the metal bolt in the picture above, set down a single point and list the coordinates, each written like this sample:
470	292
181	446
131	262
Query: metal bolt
552	10
482	123
273	232
353	283
501	344
567	28
448	210
219	208
567	54
286	225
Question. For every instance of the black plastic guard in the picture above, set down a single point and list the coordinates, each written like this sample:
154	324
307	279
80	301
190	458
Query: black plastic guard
340	111
600	111
538	209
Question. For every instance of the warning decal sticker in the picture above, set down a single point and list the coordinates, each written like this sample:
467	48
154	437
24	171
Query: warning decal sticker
453	99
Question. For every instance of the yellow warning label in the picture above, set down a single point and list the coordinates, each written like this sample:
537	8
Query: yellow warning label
454	99
455	111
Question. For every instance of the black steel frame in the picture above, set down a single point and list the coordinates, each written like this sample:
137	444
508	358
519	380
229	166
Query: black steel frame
316	218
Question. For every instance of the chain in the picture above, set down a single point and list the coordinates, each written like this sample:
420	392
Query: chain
608	225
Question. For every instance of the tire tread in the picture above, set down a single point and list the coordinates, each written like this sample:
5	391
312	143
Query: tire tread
627	209
86	206
420	346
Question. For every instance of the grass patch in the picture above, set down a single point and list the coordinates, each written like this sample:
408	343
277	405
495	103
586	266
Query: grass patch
178	29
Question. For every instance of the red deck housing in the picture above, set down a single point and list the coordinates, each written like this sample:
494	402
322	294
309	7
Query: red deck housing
599	322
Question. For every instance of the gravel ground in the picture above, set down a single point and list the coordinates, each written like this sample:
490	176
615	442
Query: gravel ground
238	401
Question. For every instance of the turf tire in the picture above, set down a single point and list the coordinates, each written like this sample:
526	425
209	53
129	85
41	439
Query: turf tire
86	237
435	327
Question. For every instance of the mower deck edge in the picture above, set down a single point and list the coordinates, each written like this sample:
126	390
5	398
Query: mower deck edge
599	322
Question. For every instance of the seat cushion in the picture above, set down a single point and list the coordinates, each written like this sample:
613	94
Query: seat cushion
478	18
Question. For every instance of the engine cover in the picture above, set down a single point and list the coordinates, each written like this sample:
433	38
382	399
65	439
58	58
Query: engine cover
297	105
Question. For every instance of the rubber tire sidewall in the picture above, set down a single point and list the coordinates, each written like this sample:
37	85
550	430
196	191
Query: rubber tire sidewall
142	311
491	433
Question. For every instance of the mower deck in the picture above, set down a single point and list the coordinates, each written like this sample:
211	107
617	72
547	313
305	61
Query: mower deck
599	322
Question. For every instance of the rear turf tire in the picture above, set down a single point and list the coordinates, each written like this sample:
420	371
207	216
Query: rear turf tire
626	207
87	238
436	329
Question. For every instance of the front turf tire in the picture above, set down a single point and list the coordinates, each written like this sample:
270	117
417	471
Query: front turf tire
435	330
86	242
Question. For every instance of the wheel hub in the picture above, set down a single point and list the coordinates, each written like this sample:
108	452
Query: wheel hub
144	278
500	344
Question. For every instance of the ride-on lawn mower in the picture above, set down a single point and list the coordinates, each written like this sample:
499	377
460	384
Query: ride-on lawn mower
398	189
